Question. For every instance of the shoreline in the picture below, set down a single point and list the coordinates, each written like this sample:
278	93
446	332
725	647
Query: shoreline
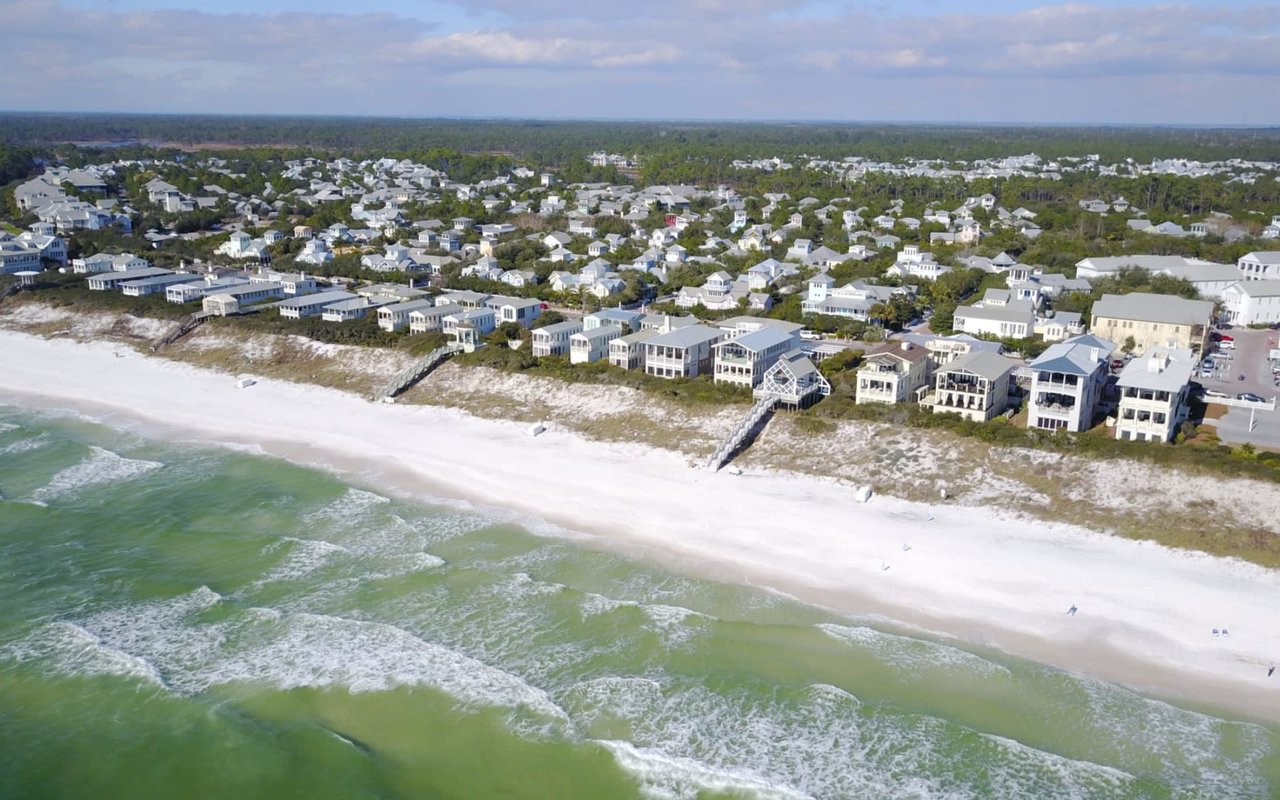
972	574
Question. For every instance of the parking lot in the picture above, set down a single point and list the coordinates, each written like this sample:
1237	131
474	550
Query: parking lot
1248	358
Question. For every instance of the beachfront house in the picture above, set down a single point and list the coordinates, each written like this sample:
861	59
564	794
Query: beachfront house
1154	391
681	353
975	386
347	310
311	304
794	380
744	358
227	300
1067	382
553	340
395	316
587	346
1152	319
430	319
156	284
627	351
107	281
520	310
893	372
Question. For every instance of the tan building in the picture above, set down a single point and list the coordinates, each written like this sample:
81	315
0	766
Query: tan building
1152	319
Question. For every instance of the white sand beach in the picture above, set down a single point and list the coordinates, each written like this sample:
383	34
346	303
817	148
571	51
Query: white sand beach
1145	612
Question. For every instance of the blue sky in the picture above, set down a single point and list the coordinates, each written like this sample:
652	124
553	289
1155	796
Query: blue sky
1110	61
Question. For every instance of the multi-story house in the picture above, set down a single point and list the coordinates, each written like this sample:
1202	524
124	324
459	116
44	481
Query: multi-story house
975	386
586	346
1259	265
430	319
794	381
681	353
744	358
1153	394
893	372
997	314
627	351
1067	382
553	340
1252	302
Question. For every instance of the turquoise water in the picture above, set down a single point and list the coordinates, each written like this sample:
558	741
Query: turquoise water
181	621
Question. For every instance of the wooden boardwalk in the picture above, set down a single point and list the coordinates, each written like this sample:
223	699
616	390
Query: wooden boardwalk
746	428
187	325
415	373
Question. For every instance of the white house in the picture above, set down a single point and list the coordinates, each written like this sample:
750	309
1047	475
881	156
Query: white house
311	304
975	386
1254	302
743	359
681	353
395	316
794	381
1153	394
997	314
1067	382
1259	265
588	346
315	251
554	339
893	372
627	351
430	319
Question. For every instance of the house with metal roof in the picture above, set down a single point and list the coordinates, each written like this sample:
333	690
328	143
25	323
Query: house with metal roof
681	353
744	358
1154	391
587	346
996	314
311	304
1259	265
627	351
1252	303
553	340
893	372
975	386
1067	381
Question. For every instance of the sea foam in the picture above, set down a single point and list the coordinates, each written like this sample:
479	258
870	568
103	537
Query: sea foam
99	467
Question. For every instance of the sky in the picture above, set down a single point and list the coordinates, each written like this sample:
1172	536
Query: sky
1108	61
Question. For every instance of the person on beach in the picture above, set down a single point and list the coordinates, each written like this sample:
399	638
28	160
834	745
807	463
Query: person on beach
1269	671
1072	611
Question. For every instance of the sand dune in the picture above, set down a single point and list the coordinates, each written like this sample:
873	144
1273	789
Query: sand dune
1145	613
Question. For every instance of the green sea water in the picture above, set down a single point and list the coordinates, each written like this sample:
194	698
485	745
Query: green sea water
193	622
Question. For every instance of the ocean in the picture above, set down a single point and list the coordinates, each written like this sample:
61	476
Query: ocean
190	621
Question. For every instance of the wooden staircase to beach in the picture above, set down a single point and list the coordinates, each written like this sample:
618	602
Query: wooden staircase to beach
420	369
187	325
743	432
10	290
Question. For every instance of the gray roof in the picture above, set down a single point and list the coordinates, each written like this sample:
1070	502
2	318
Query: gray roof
1263	256
321	299
1145	307
604	331
982	363
759	340
1077	356
1161	369
1015	311
1258	288
686	337
569	325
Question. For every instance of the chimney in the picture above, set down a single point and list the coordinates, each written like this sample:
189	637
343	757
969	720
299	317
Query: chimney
1095	353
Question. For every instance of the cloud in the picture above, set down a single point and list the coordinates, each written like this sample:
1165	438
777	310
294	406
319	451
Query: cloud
663	58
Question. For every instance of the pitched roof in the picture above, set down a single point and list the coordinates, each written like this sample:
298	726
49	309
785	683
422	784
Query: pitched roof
980	362
1145	307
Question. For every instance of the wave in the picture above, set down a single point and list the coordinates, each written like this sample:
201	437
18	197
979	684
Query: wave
912	658
816	741
6	427
78	652
174	638
99	467
25	445
305	557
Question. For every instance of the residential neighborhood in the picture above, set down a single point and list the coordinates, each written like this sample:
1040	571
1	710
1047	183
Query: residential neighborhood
684	281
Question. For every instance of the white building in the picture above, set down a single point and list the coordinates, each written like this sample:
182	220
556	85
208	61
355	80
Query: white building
744	359
1255	302
997	314
975	386
586	346
1153	394
681	353
1067	382
893	372
1259	265
554	339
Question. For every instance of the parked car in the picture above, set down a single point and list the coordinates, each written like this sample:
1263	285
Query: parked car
810	336
1227	344
1251	397
1215	393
